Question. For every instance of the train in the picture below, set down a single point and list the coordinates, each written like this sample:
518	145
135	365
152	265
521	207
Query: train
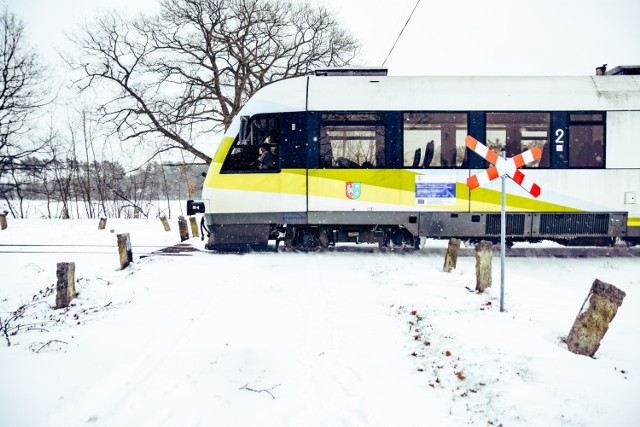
357	156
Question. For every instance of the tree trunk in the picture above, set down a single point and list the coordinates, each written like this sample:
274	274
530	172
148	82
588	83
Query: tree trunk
591	325
124	250
66	288
165	223
194	226
484	258
451	257
3	220
182	226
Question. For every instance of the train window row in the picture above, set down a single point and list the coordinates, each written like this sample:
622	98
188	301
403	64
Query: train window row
434	140
373	140
352	141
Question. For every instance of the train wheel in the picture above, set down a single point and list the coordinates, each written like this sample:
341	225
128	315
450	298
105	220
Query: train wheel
401	239
323	238
307	238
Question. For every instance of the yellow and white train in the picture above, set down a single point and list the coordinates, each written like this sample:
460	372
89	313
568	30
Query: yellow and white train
358	156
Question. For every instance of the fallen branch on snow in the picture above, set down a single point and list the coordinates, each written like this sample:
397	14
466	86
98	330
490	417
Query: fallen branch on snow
50	342
264	390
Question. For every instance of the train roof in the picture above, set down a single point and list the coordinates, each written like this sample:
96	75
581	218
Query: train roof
391	93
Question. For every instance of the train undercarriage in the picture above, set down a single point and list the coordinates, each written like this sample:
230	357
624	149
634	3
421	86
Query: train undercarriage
404	231
317	237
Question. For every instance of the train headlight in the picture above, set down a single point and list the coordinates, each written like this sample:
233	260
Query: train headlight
194	207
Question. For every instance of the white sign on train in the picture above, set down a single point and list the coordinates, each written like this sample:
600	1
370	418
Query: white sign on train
435	190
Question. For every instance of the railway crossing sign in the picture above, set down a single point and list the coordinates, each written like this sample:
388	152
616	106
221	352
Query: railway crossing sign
503	166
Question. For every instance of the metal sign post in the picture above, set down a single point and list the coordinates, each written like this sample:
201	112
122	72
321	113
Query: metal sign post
503	237
503	167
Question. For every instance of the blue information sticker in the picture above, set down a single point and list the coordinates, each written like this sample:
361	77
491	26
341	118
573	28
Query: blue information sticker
435	190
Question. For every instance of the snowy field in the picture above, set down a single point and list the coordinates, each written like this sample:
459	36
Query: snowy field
355	338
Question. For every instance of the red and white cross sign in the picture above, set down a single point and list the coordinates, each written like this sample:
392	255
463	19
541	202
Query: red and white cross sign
503	166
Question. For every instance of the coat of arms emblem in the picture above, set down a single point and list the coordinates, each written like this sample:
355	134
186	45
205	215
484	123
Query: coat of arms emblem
353	190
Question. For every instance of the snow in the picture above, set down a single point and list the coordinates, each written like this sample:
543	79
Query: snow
350	338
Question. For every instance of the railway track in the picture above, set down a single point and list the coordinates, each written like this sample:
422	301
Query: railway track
183	249
533	252
86	249
558	252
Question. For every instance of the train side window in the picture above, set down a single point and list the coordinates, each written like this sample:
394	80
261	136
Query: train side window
352	140
586	140
434	140
258	152
519	132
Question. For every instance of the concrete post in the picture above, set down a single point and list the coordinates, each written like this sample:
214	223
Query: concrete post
66	286
451	257
3	220
165	223
182	227
591	324
484	258
124	250
194	226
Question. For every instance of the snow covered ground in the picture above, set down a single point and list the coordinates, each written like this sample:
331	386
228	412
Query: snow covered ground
355	338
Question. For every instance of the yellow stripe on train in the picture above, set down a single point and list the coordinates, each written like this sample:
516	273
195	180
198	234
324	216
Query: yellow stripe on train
388	187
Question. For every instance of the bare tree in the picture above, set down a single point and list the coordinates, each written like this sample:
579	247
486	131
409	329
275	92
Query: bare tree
21	96
196	63
50	179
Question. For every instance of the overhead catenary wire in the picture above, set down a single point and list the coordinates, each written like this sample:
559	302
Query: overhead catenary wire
401	31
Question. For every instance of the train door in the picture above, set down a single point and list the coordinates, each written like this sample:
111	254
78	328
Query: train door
350	166
434	150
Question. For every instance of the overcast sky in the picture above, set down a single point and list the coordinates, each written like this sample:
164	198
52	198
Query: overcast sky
444	37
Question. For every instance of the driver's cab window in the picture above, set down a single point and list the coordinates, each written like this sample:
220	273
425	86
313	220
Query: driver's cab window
258	150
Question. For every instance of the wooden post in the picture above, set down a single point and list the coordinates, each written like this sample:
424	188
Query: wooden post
451	257
124	250
165	223
102	224
484	258
194	226
182	226
591	324
66	286
3	220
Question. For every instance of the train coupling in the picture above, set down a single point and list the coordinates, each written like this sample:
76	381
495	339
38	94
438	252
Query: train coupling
194	207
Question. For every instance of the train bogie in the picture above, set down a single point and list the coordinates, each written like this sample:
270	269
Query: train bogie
324	236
